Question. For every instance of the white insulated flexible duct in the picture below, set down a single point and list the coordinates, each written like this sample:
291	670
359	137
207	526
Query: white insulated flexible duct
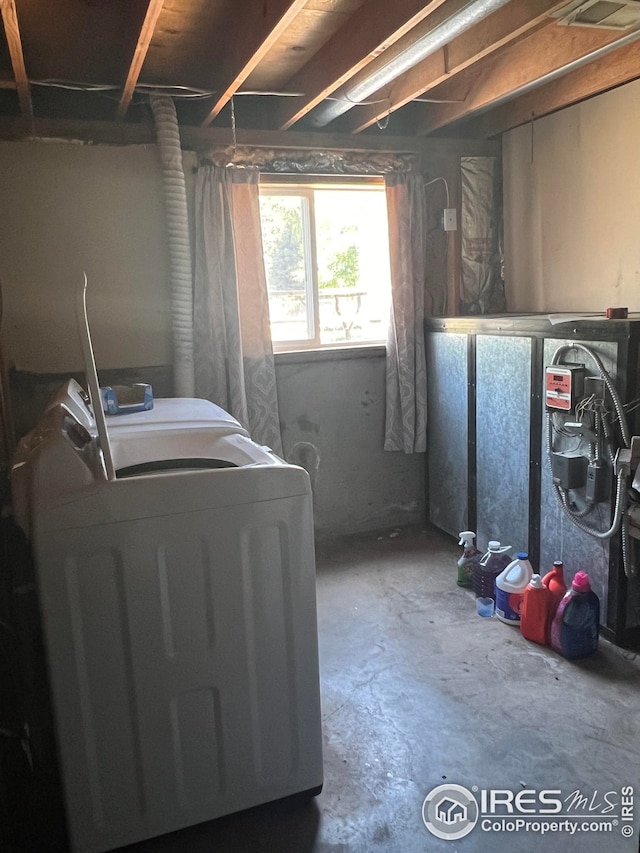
175	197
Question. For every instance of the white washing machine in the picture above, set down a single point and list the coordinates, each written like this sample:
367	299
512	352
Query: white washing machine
179	615
175	428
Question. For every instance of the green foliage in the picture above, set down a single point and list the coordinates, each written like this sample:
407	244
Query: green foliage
344	268
282	242
344	264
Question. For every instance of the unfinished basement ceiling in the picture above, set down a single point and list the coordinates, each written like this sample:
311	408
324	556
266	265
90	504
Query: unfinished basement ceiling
370	67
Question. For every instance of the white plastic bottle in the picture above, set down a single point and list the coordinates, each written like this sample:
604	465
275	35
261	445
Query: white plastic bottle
510	588
470	556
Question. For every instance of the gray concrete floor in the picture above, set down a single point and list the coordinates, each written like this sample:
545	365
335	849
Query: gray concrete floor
418	691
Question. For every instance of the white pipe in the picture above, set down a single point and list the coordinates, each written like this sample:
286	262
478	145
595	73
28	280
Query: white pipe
175	196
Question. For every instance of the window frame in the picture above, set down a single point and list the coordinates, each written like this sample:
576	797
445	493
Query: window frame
305	186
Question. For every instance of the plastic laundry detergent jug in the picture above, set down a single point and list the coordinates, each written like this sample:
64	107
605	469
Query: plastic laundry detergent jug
574	630
486	570
535	616
510	587
554	581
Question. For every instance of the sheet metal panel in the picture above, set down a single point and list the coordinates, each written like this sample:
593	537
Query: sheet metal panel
447	431
503	422
473	352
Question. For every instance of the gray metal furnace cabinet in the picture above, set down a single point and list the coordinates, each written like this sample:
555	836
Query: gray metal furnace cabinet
487	454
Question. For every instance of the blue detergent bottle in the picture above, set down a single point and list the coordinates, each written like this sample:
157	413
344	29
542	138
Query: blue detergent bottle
574	631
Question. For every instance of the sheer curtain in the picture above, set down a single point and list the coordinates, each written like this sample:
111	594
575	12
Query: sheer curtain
233	354
406	407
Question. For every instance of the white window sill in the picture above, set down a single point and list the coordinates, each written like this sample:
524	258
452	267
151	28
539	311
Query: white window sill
331	353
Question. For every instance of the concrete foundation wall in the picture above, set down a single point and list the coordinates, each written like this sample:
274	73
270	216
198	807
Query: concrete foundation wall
332	413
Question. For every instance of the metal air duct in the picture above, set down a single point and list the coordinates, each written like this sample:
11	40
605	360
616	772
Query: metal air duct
346	97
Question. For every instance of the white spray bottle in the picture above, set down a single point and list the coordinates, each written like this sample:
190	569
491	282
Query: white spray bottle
470	555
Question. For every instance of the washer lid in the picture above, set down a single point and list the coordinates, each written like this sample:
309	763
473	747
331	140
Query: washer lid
142	447
185	412
178	413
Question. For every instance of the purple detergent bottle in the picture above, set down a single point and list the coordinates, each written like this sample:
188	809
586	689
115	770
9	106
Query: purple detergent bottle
574	631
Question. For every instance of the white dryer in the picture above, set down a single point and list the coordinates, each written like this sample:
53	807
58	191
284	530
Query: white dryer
179	614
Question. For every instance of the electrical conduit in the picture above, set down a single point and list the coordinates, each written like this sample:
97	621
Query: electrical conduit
175	196
620	518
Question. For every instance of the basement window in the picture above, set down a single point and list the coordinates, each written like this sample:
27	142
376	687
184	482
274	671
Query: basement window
326	253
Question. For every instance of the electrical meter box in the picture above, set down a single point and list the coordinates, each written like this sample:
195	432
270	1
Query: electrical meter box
564	386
